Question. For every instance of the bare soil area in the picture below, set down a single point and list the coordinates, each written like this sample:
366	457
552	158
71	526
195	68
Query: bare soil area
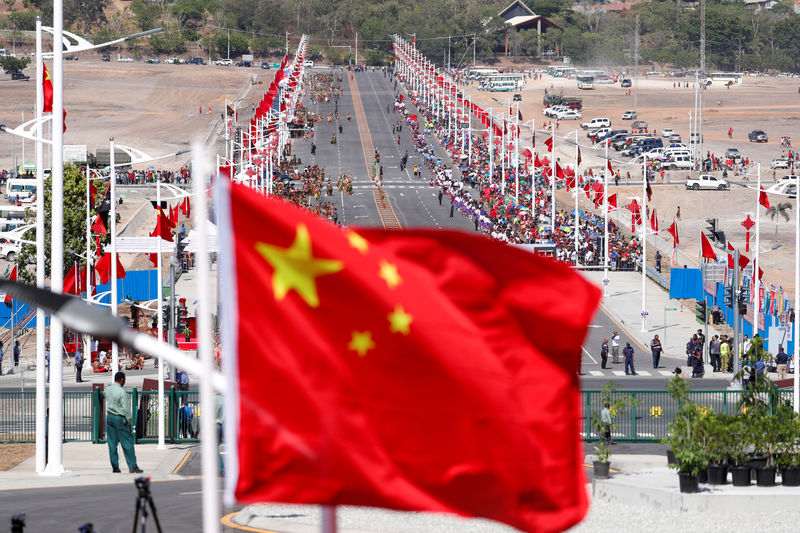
12	454
771	104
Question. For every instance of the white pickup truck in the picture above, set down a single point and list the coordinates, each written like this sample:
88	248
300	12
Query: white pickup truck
705	181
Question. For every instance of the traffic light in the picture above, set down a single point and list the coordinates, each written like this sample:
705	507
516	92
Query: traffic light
746	292
742	305
183	318
712	225
729	297
700	311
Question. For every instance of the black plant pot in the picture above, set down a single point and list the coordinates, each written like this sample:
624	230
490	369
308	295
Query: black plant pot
791	476
740	475
688	483
765	476
671	457
702	477
755	463
601	469
718	474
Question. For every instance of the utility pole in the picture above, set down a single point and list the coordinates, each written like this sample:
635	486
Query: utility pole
636	65
702	75
448	53
229	44
474	46
735	303
356	48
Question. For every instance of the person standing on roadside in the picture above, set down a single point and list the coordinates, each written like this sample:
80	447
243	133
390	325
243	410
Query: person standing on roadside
615	348
606	421
628	353
604	354
78	365
781	360
714	353
656	349
118	425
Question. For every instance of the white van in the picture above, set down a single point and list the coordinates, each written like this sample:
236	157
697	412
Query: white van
22	190
683	162
597	123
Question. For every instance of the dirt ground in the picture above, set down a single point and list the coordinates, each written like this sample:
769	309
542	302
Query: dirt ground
153	108
771	104
13	454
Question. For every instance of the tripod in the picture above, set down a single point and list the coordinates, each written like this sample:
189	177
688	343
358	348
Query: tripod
142	501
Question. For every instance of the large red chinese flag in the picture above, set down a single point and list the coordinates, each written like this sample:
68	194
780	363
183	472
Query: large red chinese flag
706	250
103	268
47	89
417	370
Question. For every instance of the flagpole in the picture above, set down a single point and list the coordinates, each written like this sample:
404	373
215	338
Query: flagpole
503	156
328	519
796	324
160	296
553	182
757	285
605	225
643	215
87	343
577	217
208	430
41	401
491	147
516	158
56	422
112	195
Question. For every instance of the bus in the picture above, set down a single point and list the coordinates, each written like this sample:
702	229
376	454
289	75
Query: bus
502	86
517	77
561	72
480	72
21	189
585	82
11	217
723	78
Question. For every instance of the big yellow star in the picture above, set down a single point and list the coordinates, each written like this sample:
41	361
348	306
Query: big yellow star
296	268
399	320
361	342
357	241
388	272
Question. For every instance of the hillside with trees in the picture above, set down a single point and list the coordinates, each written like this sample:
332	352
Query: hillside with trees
738	37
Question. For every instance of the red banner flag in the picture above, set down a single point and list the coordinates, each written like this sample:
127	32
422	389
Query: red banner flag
549	144
653	221
11	277
763	199
163	227
673	230
707	251
608	164
103	268
579	157
730	255
98	227
47	89
415	343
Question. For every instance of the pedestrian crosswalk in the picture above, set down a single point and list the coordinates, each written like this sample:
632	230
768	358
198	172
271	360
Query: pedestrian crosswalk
644	373
404	186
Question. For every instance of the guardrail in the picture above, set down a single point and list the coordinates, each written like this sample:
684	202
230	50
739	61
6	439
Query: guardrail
646	421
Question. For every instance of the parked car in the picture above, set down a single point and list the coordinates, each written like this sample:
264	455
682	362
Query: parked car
629	115
626	83
196	61
9	249
266	66
153	61
106	57
571	115
517	97
695	137
308	63
706	181
639	125
125	60
71	57
757	136
19	75
675	162
596	134
779	162
733	153
174	61
224	62
675	138
243	64
667	132
597	123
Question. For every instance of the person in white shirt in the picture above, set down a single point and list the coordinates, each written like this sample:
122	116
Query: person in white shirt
615	347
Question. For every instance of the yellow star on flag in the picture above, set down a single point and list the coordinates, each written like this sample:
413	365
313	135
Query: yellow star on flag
295	268
361	342
399	320
357	241
389	273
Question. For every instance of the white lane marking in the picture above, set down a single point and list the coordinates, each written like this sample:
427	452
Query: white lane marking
590	355
643	373
665	372
596	373
194	492
618	372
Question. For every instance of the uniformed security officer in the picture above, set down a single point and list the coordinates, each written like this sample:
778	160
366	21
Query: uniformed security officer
118	425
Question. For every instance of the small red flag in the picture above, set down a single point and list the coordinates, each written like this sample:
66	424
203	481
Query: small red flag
415	343
98	227
163	227
12	277
579	156
549	144
763	199
92	192
707	251
103	268
653	220
47	89
649	191
673	230
730	255
612	200
608	164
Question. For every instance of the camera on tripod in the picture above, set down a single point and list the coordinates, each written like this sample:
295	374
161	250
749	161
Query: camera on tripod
18	523
143	486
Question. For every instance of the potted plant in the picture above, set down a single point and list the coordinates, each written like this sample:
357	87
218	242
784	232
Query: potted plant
789	458
187	333
603	426
717	445
678	390
740	436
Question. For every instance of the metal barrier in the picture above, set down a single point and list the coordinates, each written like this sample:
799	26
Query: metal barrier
647	420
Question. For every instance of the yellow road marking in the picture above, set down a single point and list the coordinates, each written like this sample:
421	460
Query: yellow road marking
183	462
227	520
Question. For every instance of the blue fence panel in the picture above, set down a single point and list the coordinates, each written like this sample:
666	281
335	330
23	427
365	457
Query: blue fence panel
685	283
141	285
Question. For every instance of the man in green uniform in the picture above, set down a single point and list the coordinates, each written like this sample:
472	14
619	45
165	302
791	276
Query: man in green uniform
118	425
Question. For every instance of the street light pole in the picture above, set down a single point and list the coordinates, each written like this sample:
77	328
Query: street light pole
112	177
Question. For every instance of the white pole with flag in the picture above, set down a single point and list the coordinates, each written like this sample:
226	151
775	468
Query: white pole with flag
553	183
577	216
756	280
112	223
796	324
208	432
160	297
605	225
516	159
643	217
56	425
491	146
41	401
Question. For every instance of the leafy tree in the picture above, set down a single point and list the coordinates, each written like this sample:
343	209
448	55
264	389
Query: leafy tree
238	44
147	13
189	12
267	46
74	223
11	64
22	20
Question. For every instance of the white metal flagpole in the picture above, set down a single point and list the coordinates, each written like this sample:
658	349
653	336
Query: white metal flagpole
56	425
41	402
553	183
796	324
112	196
208	430
577	216
160	296
605	225
756	281
643	216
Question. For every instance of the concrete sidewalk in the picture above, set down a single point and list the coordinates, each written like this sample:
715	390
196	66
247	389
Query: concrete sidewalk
88	464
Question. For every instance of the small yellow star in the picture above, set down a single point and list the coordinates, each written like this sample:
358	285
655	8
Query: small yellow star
296	268
399	320
361	342
389	274
357	241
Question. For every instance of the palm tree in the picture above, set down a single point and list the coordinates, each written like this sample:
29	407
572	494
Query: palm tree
779	209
